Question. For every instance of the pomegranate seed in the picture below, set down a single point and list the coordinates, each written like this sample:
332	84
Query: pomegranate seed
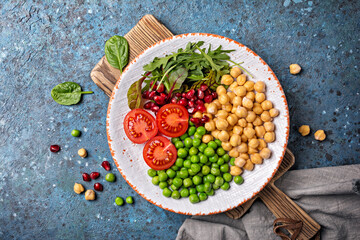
203	87
174	100
54	148
191	110
98	187
201	108
152	95
190	94
205	119
155	108
106	165
208	99
148	105
199	102
195	120
145	94
193	99
159	100
207	92
191	104
214	95
183	102
94	175
161	88
86	177
200	94
183	95
178	95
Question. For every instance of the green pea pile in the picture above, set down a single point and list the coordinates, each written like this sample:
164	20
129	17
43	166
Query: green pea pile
199	170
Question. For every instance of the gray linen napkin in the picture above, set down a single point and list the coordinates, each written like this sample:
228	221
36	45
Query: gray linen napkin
330	195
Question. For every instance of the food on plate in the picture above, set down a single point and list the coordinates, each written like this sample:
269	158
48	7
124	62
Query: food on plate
90	195
140	126
78	188
304	130
295	68
320	135
54	148
172	120
75	133
159	153
67	93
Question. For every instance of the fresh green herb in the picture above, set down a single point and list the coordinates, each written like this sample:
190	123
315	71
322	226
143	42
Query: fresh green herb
134	94
177	78
67	93
117	52
242	68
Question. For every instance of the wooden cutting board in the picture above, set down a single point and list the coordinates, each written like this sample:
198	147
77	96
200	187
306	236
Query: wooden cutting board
149	31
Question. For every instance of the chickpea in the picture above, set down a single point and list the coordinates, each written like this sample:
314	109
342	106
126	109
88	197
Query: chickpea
249	132
235	72
247	103
259	87
236	101
242	148
249	125
295	69
256	158
269	137
304	130
231	95
274	112
235	171
233	86
234	153
257	121
233	109
269	126
78	188
208	114
224	99
251	116
241	79
210	126
240	162
215	133
235	140
222	114
229	129
90	195
206	104
223	136
227	79
82	152
266	105
254	143
221	124
249	165
252	150
244	138
251	96
232	119
207	138
226	146
260	131
240	91
227	107
262	144
212	108
260	97
237	130
241	112
257	108
197	115
265	153
249	85
217	103
320	135
265	116
242	122
244	156
220	90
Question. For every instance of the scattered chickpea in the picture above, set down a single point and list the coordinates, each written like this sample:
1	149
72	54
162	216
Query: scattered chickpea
251	96
197	115
269	126
266	105
257	108
226	146
241	79
265	153
235	140
304	130
320	135
82	152
223	136
295	69
260	131
212	108
249	85
235	72
274	112
235	171
240	162
259	87
254	143
207	138
90	195
210	126
256	158
220	90
78	188
234	153
260	97
269	137
252	150
242	148
208	114
249	165
265	116
227	79
262	144
244	138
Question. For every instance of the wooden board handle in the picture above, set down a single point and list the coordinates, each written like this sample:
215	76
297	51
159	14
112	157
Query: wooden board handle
283	207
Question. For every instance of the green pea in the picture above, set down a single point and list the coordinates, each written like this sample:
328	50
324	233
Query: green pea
205	170
185	135
195	167
160	171
203	158
75	133
224	168
174	167
197	135
208	163
212	144
202	147
225	186
192	191
200	174
173	187
219	181
195	159
194	198
179	144
211	178
197	180
218	142
188	157
179	162
184	192
220	161
215	187
170	181
232	161
220	151
203	196
171	173
174	140
188	142
167	192
119	201
201	130
110	177
183	168
163	185
178	182
215	171
196	142
191	131
191	123
200	188
163	177
238	179
214	158
151	172
155	180
209	152
207	187
183	173
129	200
175	194
182	153
193	151
211	193
187	163
227	177
191	172
187	182
214	165
226	157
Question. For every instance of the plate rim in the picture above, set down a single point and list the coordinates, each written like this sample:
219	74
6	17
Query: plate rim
206	35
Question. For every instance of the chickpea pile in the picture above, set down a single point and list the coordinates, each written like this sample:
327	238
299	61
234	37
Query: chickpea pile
241	118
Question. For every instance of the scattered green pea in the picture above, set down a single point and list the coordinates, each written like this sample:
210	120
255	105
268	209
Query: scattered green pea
75	133
194	198
119	201
191	131
200	188
209	152
170	173
151	172
232	161
163	185
197	180
129	200
197	135
185	135
174	140
212	144
224	168
195	159
179	162
226	157
179	144
155	180
227	177
202	147
196	142
225	186
192	191
163	176
187	163
215	171
110	177
214	158
205	170
187	182
218	142
219	181
182	153
184	192
193	151
220	161
203	196
238	179
203	158
220	151
167	192
188	142
175	194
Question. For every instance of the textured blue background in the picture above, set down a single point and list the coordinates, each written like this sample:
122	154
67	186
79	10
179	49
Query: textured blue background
43	44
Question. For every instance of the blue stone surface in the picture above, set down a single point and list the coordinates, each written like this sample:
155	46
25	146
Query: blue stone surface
43	44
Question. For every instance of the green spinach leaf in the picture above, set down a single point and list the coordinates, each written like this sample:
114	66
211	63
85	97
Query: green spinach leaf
67	93
117	52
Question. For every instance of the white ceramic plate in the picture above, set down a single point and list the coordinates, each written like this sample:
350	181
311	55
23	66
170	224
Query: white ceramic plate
128	156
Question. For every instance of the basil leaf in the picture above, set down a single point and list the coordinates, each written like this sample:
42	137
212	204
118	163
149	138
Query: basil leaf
67	93
134	94
117	52
177	78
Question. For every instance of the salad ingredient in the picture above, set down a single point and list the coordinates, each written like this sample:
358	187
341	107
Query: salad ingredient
106	165
54	148
75	133
110	177
194	198
134	94
140	126
265	153
117	52
274	112
238	179
129	200
78	188
167	192
94	175
159	153
235	72
269	137
90	195
119	201
82	152
235	170
320	135
304	130
67	93
295	69
172	120
98	187
86	177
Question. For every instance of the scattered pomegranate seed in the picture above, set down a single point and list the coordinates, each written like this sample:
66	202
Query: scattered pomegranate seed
203	87
214	95
174	100
94	175
145	94
183	102
54	148
152	95
201	108
191	104
195	120
178	95
148	105
208	98
155	108
191	110
106	165
98	187
161	88
190	94
200	94
205	119
86	177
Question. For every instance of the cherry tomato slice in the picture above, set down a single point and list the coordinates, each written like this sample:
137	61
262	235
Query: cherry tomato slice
172	120
140	126
159	153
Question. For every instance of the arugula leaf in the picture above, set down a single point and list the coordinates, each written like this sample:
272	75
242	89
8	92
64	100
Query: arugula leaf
117	52
67	93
